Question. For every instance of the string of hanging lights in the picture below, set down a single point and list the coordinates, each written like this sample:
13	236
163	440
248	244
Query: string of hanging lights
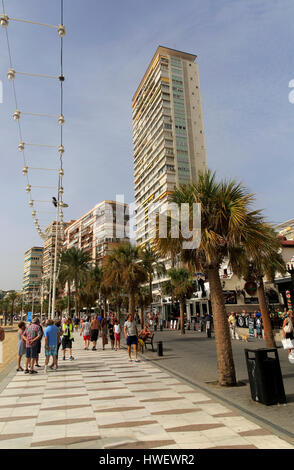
23	145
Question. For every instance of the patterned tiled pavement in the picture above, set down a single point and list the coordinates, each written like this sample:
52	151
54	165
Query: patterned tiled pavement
102	401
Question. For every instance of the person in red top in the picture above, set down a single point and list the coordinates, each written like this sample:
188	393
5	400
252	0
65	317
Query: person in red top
32	334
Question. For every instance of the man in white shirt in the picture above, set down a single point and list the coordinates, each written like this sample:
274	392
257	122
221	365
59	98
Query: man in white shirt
131	334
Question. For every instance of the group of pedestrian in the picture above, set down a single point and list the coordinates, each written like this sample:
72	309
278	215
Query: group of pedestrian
60	334
29	343
90	331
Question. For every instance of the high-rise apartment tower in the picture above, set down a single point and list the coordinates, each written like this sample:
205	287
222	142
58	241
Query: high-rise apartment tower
168	133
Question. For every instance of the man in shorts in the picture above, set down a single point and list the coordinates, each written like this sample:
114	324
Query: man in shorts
67	338
131	334
32	334
51	342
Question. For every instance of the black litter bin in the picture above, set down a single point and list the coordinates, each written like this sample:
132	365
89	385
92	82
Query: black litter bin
159	348
265	376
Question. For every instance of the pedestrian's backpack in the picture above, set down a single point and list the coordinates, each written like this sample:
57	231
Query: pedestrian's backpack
2	334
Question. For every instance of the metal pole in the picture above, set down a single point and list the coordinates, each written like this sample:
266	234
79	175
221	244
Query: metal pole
22	306
55	265
41	300
50	289
33	298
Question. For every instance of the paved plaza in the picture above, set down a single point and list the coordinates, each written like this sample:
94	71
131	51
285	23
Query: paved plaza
101	401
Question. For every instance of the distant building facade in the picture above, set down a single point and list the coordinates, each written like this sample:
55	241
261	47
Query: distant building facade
99	230
32	272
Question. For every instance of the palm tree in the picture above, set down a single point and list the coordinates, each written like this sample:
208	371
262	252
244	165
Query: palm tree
123	268
149	261
116	298
255	268
227	223
182	285
61	305
105	291
143	299
74	268
11	298
4	307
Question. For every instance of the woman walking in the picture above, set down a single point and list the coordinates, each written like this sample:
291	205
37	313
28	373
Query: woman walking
117	331
95	327
111	333
85	331
104	333
21	345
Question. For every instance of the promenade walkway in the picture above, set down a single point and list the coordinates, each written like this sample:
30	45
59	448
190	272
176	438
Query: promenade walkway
101	401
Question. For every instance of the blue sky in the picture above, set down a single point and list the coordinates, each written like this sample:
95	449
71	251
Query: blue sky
244	50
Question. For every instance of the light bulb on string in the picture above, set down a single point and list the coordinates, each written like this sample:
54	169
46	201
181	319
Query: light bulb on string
16	115
11	74
4	20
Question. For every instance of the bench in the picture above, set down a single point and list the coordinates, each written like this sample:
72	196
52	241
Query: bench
150	341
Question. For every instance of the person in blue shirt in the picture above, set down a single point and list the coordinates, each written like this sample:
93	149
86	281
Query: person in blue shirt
51	336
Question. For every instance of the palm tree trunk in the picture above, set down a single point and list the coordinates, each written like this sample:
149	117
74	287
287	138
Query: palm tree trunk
104	307
76	299
268	331
225	361
68	298
76	305
11	317
150	286
182	316
142	316
131	303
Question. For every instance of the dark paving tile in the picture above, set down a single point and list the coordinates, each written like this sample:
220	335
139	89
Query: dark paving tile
105	389
23	387
195	427
142	445
255	432
152	390
132	376
65	421
9	419
205	402
223	415
127	424
70	387
119	409
112	398
64	407
22	395
176	412
20	405
65	441
143	383
161	399
234	447
7	437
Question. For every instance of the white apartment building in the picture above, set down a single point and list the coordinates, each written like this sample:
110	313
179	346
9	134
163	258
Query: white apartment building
32	272
99	230
168	134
